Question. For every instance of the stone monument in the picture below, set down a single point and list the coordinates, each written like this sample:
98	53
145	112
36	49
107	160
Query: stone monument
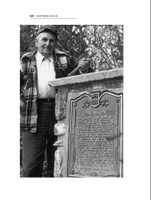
89	110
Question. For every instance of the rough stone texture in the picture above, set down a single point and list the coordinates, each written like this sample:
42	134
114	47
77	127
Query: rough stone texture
61	101
60	129
72	87
111	84
60	168
58	164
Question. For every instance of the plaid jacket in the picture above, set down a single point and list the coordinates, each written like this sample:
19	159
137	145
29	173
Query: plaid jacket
28	85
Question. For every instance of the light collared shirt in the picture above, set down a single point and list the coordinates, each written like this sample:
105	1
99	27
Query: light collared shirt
46	73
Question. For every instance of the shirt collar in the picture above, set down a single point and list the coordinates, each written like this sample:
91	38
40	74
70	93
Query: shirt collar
40	57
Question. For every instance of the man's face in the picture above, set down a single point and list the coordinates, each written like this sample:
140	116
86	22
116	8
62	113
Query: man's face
46	42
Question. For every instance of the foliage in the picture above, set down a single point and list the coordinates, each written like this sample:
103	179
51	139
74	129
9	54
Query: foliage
82	40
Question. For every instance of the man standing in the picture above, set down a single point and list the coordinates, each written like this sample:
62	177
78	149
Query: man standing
38	100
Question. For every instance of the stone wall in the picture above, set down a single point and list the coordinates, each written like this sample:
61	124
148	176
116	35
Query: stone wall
108	83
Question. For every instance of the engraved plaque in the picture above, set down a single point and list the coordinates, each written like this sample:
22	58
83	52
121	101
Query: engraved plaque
95	135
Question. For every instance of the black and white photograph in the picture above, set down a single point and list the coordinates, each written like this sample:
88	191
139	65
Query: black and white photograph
71	85
75	100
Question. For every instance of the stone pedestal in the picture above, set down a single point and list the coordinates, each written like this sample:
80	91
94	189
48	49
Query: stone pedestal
89	110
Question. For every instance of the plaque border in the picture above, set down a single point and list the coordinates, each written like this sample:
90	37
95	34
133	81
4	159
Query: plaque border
100	95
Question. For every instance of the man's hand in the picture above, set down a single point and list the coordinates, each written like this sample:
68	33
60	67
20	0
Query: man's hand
82	67
84	64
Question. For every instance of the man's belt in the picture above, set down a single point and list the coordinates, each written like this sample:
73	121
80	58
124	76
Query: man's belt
46	100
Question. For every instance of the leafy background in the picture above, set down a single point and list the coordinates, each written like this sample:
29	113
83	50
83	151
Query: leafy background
82	40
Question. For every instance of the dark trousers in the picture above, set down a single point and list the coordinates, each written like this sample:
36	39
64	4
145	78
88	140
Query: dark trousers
36	144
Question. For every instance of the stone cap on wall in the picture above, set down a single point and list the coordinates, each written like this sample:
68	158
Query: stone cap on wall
94	76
